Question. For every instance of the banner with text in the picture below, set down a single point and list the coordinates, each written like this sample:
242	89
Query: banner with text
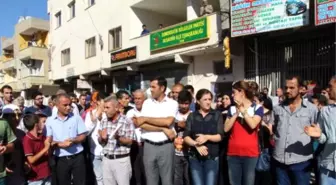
325	11
257	16
180	34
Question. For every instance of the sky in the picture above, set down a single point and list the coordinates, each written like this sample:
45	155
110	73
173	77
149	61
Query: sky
11	10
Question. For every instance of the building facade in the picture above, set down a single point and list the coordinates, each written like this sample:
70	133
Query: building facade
25	58
100	45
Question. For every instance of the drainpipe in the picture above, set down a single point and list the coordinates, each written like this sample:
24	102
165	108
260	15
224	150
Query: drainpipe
256	59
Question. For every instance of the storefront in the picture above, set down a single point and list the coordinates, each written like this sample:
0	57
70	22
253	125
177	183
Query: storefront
281	40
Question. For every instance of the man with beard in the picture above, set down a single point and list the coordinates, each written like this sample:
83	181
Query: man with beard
293	150
326	134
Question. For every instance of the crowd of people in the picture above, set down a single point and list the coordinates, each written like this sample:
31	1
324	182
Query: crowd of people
180	138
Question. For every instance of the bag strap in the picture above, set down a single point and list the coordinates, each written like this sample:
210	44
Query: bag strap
260	133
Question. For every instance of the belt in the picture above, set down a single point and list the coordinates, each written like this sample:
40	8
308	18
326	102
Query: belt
158	143
115	156
70	156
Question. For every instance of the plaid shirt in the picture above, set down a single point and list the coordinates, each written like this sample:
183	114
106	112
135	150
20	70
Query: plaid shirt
113	147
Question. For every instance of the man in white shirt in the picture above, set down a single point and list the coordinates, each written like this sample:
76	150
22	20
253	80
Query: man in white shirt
139	97
93	122
157	124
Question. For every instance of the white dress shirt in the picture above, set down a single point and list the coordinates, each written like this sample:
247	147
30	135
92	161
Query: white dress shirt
93	127
131	114
152	108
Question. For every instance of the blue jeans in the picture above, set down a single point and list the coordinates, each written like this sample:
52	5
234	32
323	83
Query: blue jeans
327	177
97	162
46	181
242	170
203	172
292	174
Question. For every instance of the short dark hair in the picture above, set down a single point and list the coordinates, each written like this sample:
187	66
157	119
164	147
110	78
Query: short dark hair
121	93
35	94
161	81
6	87
53	97
189	87
184	96
72	95
30	120
81	95
265	88
144	25
298	78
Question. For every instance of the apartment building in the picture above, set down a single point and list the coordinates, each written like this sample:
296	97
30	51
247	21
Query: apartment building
101	45
24	61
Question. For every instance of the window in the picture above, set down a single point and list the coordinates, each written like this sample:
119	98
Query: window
115	38
58	19
65	57
219	68
90	47
72	9
91	2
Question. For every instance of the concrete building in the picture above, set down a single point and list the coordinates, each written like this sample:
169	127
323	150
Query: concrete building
25	58
98	44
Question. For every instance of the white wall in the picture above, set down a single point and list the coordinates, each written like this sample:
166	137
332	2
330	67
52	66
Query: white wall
200	72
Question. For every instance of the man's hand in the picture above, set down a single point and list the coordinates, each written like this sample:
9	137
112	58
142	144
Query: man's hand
9	170
3	149
65	144
201	139
169	133
313	131
181	124
138	121
104	134
202	150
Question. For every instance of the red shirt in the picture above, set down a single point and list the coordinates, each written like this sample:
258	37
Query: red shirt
33	145
243	140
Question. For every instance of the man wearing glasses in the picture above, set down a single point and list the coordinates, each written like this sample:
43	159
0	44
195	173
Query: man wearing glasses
38	104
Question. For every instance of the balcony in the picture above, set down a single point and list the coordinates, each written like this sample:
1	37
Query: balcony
185	37
34	53
29	26
7	44
9	64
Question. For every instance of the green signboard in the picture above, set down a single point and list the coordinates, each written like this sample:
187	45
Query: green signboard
180	34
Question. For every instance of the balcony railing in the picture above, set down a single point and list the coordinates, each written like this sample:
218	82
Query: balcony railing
33	52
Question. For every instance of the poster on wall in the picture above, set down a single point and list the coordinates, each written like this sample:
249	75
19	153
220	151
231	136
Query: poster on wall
257	16
325	12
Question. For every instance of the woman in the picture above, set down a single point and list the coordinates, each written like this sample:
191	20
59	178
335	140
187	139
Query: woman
243	123
265	133
203	132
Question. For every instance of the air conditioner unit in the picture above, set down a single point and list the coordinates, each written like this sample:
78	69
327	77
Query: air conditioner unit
30	63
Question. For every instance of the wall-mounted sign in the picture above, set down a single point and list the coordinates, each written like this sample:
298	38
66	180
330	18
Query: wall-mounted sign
125	54
70	72
180	34
257	16
325	11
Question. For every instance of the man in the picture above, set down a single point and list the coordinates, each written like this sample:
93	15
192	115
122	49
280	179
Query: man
326	134
144	30
74	108
7	138
82	104
157	123
123	100
293	151
190	88
177	88
206	9
93	123
7	93
68	132
181	176
137	147
116	135
38	104
276	100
